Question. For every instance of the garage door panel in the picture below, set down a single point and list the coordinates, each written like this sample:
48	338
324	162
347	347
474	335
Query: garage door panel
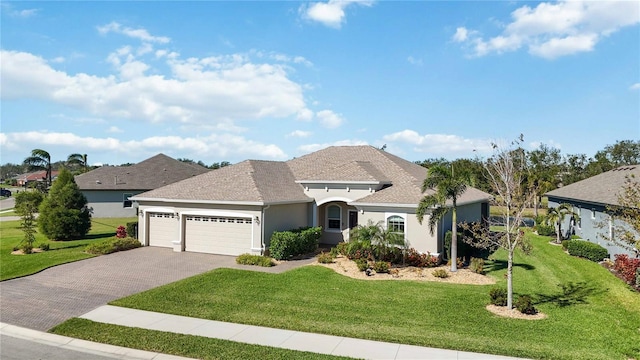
218	235
163	229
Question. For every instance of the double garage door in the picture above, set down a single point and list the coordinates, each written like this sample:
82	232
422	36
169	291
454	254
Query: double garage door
207	234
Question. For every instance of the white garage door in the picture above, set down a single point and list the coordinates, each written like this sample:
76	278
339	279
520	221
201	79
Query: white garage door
163	229
218	235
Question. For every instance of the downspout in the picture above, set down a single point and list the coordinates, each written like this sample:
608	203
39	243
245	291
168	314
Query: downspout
264	209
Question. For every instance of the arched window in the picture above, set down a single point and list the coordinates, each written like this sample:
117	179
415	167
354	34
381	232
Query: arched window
334	217
395	224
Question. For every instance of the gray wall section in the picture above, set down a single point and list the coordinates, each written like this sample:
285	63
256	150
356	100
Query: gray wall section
594	225
284	217
109	204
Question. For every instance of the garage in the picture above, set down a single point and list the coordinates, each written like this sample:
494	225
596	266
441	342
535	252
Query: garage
224	235
163	229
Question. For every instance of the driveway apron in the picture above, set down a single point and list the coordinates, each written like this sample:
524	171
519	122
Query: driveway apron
45	299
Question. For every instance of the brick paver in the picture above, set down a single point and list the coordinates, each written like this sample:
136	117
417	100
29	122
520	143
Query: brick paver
43	300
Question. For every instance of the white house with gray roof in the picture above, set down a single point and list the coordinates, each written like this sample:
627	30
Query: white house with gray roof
109	189
590	199
235	209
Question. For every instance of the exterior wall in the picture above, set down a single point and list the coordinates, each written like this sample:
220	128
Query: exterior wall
109	204
330	236
284	217
323	193
593	225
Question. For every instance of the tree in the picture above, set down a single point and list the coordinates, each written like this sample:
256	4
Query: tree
555	217
378	238
78	160
26	206
447	183
63	213
543	169
40	160
627	212
506	172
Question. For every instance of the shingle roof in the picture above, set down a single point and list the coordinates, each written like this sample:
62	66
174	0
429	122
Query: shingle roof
273	181
155	172
599	189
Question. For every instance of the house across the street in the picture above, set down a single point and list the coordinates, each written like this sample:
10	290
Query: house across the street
109	189
235	209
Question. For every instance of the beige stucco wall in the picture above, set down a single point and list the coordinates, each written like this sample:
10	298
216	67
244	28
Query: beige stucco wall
324	193
334	236
284	217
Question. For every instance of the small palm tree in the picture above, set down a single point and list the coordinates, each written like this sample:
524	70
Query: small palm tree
78	160
40	160
447	184
555	217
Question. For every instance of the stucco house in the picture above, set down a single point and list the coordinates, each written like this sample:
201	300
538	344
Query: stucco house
26	179
590	198
235	209
109	188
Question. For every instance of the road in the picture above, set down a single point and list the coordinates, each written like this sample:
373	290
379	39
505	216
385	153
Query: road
12	348
7	203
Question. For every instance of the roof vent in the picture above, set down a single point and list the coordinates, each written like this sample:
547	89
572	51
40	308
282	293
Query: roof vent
98	182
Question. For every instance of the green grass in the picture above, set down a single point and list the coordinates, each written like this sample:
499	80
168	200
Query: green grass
8	212
196	347
13	266
600	320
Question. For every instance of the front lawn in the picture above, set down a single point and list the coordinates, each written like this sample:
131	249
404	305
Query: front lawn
60	251
599	319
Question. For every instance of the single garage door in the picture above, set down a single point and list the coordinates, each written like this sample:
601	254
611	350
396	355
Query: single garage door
163	229
218	235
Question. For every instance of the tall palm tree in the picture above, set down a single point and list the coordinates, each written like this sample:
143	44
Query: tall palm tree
447	184
555	217
79	160
40	160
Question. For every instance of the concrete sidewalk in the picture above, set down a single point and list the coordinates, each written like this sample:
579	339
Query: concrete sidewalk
82	346
287	339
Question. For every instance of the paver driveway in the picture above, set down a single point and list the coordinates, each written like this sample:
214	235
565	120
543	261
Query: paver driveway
43	300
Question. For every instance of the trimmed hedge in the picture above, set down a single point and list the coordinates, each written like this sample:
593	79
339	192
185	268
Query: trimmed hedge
287	244
250	259
132	229
587	250
112	245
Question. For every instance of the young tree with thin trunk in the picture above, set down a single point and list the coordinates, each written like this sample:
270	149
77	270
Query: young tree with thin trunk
447	183
506	172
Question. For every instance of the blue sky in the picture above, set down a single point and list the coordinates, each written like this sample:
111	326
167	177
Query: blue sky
228	81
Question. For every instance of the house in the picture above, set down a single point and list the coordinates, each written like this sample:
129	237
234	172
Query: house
235	209
109	189
590	199
25	179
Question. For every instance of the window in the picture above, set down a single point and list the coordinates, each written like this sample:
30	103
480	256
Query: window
334	217
126	203
395	224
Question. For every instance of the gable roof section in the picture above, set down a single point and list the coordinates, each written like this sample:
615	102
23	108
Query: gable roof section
251	181
152	173
599	189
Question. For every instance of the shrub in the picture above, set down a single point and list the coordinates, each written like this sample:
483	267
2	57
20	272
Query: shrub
459	263
259	260
26	248
638	277
381	267
334	252
132	229
325	258
112	245
565	244
587	250
341	248
627	268
524	305
545	230
357	249
498	296
417	259
44	246
362	264
477	265
121	232
287	244
440	273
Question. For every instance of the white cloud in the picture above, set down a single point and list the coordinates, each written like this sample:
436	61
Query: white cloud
414	61
329	119
140	34
114	130
305	115
299	134
439	143
205	91
331	13
551	30
635	86
315	147
58	60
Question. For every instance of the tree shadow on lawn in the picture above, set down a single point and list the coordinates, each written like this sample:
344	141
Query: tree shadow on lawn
497	265
570	294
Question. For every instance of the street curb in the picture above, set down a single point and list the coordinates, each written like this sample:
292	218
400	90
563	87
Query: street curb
85	346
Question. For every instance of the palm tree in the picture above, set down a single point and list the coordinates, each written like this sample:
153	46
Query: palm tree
447	184
555	216
40	160
79	160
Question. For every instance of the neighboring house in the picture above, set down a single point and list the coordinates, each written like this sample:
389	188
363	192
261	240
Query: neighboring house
25	179
590	198
109	188
235	209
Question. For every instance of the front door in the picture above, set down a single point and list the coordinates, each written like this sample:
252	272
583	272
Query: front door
353	219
